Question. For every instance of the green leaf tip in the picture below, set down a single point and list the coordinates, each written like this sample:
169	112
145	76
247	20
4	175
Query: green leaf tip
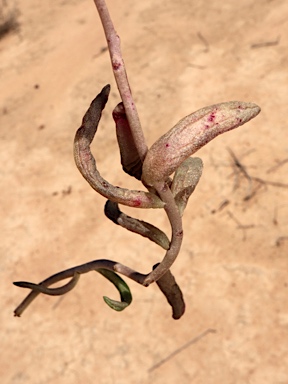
122	287
115	304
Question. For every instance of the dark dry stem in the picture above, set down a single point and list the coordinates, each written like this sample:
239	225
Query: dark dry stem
119	71
80	269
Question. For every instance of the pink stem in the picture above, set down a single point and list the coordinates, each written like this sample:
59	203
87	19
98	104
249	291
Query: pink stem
119	71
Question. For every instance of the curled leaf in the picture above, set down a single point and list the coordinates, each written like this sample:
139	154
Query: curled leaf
130	159
192	133
125	294
185	180
87	165
143	228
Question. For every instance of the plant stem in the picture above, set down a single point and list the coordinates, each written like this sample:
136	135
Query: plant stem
80	269
177	233
119	71
163	190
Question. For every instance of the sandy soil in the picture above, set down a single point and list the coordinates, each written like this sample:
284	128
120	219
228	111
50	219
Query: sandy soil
180	56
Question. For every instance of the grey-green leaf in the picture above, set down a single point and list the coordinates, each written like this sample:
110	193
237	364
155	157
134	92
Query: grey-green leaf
185	180
141	227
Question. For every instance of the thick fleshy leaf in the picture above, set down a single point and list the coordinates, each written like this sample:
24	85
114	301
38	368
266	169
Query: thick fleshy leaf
143	228
185	180
125	294
130	159
87	165
190	134
171	290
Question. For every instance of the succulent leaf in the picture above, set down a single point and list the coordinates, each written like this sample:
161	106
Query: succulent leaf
192	133
185	180
130	159
171	290
87	165
141	227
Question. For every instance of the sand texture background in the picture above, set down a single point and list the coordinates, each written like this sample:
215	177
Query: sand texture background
180	56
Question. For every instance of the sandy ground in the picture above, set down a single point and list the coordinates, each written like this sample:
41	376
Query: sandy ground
180	56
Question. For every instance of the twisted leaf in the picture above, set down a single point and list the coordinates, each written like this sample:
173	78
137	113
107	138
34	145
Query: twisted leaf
125	294
87	164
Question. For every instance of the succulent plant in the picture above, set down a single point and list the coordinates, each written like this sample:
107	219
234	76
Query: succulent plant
168	174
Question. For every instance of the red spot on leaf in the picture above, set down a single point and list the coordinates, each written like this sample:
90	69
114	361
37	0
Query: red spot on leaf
211	117
137	202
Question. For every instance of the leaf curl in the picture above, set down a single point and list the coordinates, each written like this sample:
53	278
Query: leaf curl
122	287
86	163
